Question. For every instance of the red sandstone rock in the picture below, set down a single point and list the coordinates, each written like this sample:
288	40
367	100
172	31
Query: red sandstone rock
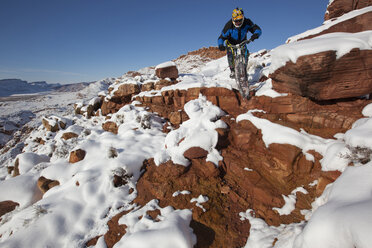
45	184
175	118
340	7
110	126
195	152
111	107
69	135
354	25
148	86
53	124
127	89
323	77
123	95
77	155
116	231
162	83
167	72
209	53
7	206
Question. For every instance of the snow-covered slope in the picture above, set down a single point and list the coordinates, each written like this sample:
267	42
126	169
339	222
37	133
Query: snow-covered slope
21	114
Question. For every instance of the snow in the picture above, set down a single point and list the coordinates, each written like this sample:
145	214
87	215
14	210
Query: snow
367	111
266	90
28	160
199	201
183	192
345	219
78	205
198	131
172	229
342	43
21	189
290	202
360	134
263	236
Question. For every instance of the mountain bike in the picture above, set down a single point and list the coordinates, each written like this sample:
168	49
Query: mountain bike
241	76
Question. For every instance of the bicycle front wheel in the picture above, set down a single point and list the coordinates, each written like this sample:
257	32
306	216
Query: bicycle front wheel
241	77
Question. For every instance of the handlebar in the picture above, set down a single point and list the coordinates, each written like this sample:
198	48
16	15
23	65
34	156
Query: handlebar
238	45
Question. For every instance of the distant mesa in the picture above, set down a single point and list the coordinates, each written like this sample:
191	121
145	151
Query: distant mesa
10	87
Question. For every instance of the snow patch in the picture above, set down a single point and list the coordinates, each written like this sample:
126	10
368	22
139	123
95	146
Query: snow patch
198	131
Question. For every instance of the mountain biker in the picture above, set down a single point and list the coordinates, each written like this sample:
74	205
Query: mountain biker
235	31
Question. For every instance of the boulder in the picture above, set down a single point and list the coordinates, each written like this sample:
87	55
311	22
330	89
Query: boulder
111	107
77	155
110	126
7	206
126	90
53	123
45	184
167	70
195	152
175	118
120	97
69	135
340	7
321	76
121	177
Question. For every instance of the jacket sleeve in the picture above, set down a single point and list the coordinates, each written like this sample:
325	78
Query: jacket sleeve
254	28
224	34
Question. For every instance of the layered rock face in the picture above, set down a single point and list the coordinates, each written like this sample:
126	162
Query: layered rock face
340	7
356	24
323	75
251	175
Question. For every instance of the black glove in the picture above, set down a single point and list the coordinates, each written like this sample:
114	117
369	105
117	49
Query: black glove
222	47
254	37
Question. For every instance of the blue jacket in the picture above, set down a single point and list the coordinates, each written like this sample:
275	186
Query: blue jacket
236	35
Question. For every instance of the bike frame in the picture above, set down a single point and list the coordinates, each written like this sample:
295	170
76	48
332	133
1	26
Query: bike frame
241	76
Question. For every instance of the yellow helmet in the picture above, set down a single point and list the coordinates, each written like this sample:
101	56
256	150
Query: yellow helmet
238	17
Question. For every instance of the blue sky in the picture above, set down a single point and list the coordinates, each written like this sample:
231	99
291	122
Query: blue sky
69	41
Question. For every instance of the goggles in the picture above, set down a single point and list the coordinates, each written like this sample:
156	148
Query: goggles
238	22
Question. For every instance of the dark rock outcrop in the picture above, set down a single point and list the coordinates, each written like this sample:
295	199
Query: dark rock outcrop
195	152
77	155
7	206
110	126
322	76
45	184
53	123
120	97
167	72
354	25
340	7
69	135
